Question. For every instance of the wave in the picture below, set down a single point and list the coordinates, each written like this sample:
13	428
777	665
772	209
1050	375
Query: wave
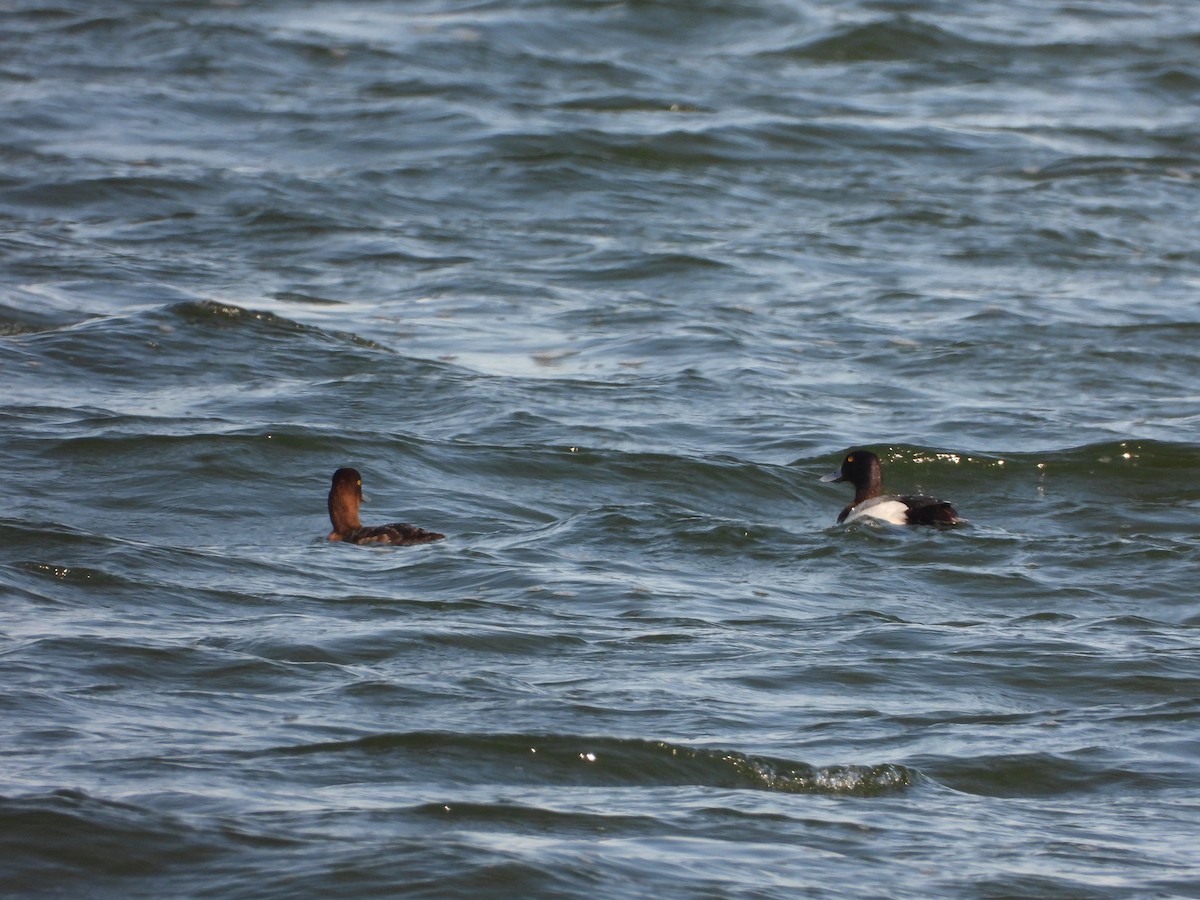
602	761
1090	461
62	836
896	38
185	359
1038	775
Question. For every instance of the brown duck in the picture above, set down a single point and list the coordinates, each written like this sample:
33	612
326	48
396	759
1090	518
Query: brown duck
345	497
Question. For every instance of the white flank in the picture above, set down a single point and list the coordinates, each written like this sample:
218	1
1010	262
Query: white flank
885	509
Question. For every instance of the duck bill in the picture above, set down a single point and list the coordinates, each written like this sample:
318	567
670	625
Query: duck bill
833	476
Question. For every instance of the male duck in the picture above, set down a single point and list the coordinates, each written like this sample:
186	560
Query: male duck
861	469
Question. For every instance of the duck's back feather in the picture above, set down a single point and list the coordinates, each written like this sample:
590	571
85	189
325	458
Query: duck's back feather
931	511
395	533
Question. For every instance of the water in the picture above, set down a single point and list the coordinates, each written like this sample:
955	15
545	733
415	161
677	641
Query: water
599	289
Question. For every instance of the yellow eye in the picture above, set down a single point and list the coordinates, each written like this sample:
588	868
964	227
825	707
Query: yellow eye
849	459
359	482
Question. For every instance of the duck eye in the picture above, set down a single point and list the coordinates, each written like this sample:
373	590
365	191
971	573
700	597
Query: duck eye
850	458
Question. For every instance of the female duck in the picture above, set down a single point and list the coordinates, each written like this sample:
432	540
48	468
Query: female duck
861	469
345	497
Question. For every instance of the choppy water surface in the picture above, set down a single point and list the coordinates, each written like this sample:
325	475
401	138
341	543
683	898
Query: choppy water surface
599	289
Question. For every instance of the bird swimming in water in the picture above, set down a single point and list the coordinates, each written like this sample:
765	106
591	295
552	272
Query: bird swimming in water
861	468
345	497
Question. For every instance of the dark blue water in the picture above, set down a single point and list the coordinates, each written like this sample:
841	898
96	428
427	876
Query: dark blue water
599	289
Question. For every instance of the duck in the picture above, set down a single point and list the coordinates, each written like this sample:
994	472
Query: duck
345	497
861	468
